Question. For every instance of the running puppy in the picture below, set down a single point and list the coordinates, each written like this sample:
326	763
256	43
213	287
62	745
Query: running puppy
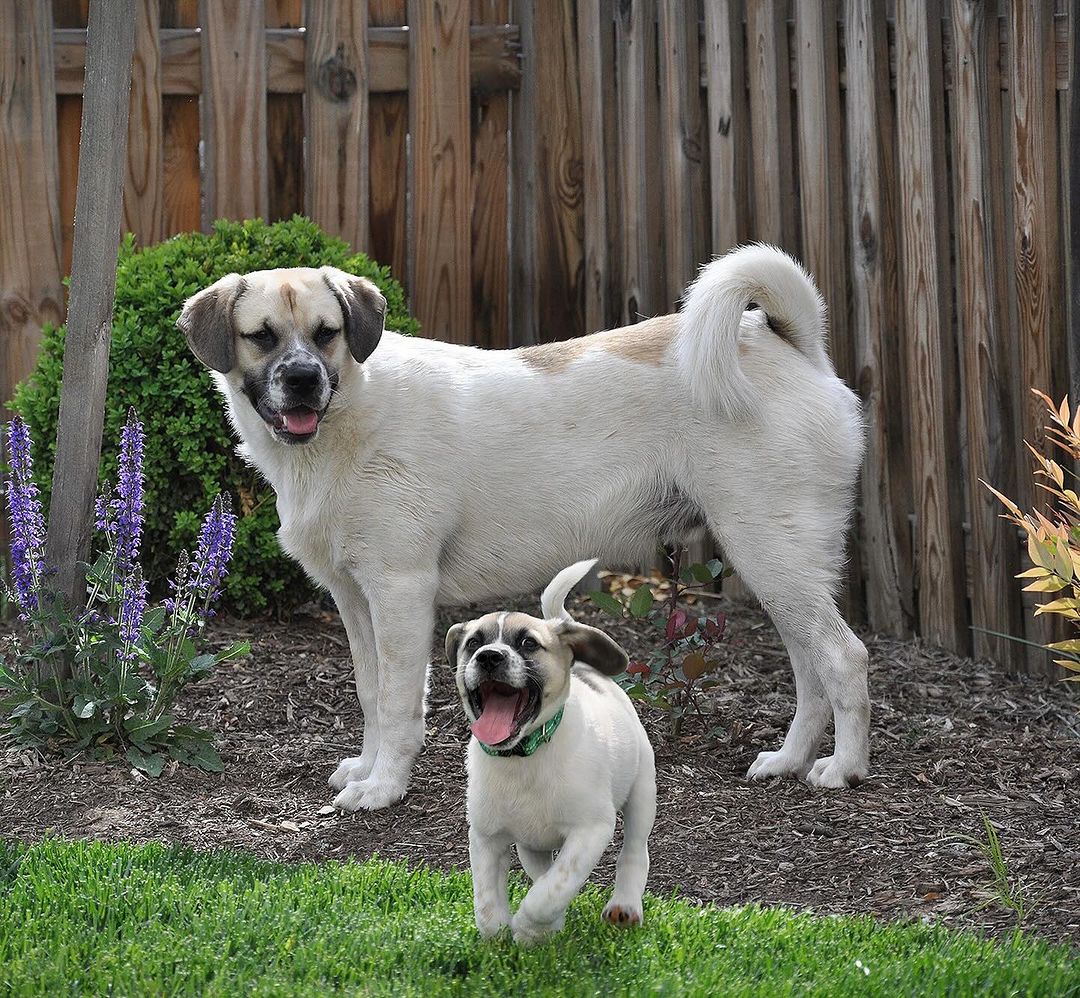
557	750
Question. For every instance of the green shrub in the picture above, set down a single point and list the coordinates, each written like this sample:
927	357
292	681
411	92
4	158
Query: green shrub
189	446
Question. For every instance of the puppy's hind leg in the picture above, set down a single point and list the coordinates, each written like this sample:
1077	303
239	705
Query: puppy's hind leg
632	866
535	862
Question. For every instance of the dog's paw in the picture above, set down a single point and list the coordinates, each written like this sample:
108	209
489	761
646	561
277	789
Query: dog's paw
529	933
490	928
832	773
623	914
369	795
351	770
770	764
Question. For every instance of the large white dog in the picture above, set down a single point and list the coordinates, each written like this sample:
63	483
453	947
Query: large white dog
411	473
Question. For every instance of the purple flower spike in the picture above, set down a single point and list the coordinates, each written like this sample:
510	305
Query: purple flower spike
127	507
132	610
214	550
27	523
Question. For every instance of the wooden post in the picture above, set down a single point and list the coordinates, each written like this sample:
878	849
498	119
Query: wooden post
102	161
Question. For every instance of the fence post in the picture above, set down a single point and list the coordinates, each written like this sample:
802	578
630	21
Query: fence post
102	152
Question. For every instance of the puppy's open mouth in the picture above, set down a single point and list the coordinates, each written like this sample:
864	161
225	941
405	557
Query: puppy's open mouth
502	710
295	425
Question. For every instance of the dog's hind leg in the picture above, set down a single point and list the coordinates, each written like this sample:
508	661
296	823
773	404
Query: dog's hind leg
632	866
535	862
357	620
403	618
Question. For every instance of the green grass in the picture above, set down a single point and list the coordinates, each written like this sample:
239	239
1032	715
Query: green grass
96	919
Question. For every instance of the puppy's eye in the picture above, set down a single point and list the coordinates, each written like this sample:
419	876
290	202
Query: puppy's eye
528	643
264	338
324	335
473	643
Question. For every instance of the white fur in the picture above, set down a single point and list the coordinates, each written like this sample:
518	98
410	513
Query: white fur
553	598
449	474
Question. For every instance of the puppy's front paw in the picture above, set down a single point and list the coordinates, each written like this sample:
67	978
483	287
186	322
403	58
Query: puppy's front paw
369	795
769	764
529	933
829	772
623	913
351	770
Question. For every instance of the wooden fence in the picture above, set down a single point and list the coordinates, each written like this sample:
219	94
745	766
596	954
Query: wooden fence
535	170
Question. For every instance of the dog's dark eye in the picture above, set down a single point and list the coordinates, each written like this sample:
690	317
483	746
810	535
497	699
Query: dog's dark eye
473	643
264	337
528	643
324	335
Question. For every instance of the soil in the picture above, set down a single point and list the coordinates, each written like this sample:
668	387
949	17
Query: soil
953	740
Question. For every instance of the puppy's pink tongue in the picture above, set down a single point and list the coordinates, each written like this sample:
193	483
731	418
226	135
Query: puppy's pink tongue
496	723
301	421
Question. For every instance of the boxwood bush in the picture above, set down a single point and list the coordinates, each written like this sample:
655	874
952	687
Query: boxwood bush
190	450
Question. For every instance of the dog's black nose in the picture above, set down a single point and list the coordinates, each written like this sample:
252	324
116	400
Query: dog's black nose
490	658
301	378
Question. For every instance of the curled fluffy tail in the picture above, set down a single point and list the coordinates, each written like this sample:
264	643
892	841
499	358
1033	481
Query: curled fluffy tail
708	339
553	598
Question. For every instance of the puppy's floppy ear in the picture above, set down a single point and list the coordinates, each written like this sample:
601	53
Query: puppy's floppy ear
593	647
453	639
363	308
206	320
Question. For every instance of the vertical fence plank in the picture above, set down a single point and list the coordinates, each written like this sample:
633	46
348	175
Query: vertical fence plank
30	290
388	162
595	24
728	124
768	76
928	323
180	138
549	225
490	201
285	128
640	192
683	142
234	110
336	186
143	188
886	487
1071	153
439	80
995	603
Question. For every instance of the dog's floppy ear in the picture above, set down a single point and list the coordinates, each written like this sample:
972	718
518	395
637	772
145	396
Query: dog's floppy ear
206	320
593	647
363	308
453	639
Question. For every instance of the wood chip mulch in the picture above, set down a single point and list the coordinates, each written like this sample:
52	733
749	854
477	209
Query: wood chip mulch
953	740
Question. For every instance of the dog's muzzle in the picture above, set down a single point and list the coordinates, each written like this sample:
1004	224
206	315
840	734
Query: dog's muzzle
502	696
298	398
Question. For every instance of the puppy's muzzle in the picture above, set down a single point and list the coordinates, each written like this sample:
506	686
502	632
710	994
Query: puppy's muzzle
302	390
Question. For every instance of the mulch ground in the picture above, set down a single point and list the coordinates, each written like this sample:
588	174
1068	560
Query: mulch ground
953	740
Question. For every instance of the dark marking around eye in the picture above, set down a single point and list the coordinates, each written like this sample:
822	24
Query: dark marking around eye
475	640
527	642
324	335
264	337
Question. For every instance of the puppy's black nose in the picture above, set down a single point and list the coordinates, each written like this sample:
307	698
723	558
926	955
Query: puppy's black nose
490	658
301	378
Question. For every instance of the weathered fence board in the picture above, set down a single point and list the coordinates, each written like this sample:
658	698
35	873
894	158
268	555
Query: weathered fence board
441	157
930	365
143	188
30	248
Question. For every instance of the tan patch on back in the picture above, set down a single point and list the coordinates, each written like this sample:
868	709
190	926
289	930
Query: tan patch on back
645	342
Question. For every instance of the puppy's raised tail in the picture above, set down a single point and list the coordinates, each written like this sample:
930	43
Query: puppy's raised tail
553	598
708	340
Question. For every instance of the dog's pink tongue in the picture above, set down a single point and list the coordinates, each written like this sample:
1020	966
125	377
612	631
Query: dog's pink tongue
496	723
301	421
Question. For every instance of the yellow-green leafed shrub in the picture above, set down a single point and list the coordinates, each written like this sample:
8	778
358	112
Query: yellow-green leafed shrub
190	451
1054	537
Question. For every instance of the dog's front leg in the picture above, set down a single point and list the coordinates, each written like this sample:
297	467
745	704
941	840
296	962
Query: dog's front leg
544	907
490	861
356	617
402	617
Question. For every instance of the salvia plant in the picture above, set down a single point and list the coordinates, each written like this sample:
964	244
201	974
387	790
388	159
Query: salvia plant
1053	536
677	672
101	678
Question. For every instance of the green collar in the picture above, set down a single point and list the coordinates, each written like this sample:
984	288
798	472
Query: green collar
530	743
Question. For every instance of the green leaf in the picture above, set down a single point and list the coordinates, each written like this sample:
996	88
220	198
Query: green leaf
701	573
142	729
236	650
206	757
641	602
150	763
83	706
154	619
715	567
608	603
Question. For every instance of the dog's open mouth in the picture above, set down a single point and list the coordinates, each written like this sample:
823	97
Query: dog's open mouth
501	710
294	425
